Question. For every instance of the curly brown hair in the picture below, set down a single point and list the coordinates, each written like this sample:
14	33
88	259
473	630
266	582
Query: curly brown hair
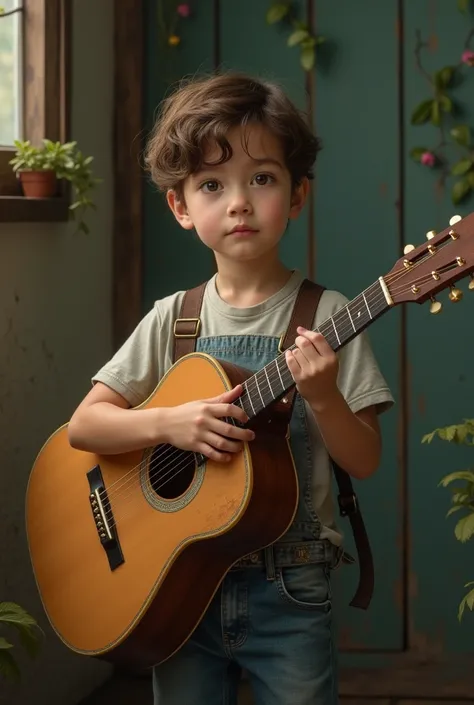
201	111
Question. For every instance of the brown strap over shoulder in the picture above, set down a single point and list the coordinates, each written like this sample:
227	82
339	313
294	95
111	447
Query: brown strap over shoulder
186	331
187	326
304	312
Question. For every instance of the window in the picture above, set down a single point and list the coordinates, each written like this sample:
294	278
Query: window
34	58
11	98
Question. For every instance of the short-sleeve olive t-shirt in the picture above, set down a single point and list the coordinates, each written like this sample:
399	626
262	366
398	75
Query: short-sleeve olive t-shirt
137	367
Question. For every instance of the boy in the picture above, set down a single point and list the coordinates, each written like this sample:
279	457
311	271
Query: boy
235	157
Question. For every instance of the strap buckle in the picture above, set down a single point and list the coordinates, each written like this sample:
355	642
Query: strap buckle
280	343
193	334
348	504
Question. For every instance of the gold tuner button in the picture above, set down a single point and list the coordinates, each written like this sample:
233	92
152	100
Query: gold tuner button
455	219
408	248
430	234
435	306
471	283
455	294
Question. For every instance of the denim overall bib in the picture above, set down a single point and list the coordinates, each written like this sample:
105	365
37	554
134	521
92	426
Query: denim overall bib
272	614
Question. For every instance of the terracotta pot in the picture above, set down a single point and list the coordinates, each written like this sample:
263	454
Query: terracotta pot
38	184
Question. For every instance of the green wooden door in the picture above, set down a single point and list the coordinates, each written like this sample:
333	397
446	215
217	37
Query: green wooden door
369	200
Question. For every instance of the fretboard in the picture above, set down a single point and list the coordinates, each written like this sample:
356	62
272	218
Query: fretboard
274	380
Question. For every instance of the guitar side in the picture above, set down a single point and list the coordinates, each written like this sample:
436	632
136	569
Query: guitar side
175	551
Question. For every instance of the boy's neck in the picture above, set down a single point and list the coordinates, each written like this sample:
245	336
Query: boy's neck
247	284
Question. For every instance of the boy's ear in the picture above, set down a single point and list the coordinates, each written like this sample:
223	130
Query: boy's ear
298	198
179	209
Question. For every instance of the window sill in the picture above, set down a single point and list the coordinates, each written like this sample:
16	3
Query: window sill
19	209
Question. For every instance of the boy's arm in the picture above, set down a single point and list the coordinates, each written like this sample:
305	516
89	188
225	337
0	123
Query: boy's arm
352	440
105	424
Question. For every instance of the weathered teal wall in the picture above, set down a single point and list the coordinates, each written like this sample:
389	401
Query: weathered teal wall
369	200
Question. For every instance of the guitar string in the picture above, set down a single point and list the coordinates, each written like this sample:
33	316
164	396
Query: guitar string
190	454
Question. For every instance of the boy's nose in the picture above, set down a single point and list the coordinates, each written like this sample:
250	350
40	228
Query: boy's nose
239	205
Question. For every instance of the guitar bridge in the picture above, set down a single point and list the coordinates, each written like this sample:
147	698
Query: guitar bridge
104	519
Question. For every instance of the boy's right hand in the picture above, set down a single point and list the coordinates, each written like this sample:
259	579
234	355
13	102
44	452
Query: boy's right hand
198	426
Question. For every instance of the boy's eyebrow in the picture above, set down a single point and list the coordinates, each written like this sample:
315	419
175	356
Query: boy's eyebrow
267	160
259	161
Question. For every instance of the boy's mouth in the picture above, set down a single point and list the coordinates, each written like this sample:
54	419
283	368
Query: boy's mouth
242	229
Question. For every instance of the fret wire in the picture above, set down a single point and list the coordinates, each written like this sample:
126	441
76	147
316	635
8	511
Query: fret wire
258	388
350	317
368	309
250	400
268	381
279	374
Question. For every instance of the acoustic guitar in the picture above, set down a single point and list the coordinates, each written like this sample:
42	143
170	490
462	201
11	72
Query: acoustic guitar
129	550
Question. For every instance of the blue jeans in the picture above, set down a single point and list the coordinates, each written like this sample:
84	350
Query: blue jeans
278	628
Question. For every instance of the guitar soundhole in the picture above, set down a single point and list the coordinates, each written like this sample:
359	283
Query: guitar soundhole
171	471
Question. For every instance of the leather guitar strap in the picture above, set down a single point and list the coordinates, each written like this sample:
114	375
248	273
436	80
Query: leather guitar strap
186	331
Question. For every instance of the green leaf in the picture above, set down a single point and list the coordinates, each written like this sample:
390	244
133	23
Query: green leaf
461	167
11	613
422	112
463	5
461	134
27	626
464	529
460	190
8	666
446	103
467	601
454	509
4	644
297	37
436	113
415	154
470	178
467	475
277	12
320	39
443	77
308	57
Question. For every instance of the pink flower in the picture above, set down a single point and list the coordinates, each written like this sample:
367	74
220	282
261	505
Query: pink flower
428	159
184	10
468	57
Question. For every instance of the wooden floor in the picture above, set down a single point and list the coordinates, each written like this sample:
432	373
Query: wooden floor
123	691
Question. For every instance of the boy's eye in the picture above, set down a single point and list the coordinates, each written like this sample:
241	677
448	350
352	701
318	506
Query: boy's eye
210	186
263	179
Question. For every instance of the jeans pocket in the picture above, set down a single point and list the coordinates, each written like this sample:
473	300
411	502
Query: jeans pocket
307	587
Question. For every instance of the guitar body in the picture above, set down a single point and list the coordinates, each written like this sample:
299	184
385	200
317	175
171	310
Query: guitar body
134	590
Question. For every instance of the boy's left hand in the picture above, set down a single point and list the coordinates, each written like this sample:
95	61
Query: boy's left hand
314	367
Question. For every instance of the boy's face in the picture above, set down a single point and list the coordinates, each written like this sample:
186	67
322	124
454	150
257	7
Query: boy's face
240	209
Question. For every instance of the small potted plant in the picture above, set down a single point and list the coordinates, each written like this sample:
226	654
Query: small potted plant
39	169
30	633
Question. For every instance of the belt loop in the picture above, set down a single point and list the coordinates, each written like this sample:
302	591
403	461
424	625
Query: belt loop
270	563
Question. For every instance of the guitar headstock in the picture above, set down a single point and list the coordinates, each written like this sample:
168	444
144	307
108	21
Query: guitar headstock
438	264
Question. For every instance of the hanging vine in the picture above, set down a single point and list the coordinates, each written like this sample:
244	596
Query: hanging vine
301	34
170	14
441	110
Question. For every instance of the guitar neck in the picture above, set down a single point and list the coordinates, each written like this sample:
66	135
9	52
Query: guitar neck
274	380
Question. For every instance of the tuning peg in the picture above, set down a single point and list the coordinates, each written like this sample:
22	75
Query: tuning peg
435	306
471	283
431	234
455	219
408	248
455	294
